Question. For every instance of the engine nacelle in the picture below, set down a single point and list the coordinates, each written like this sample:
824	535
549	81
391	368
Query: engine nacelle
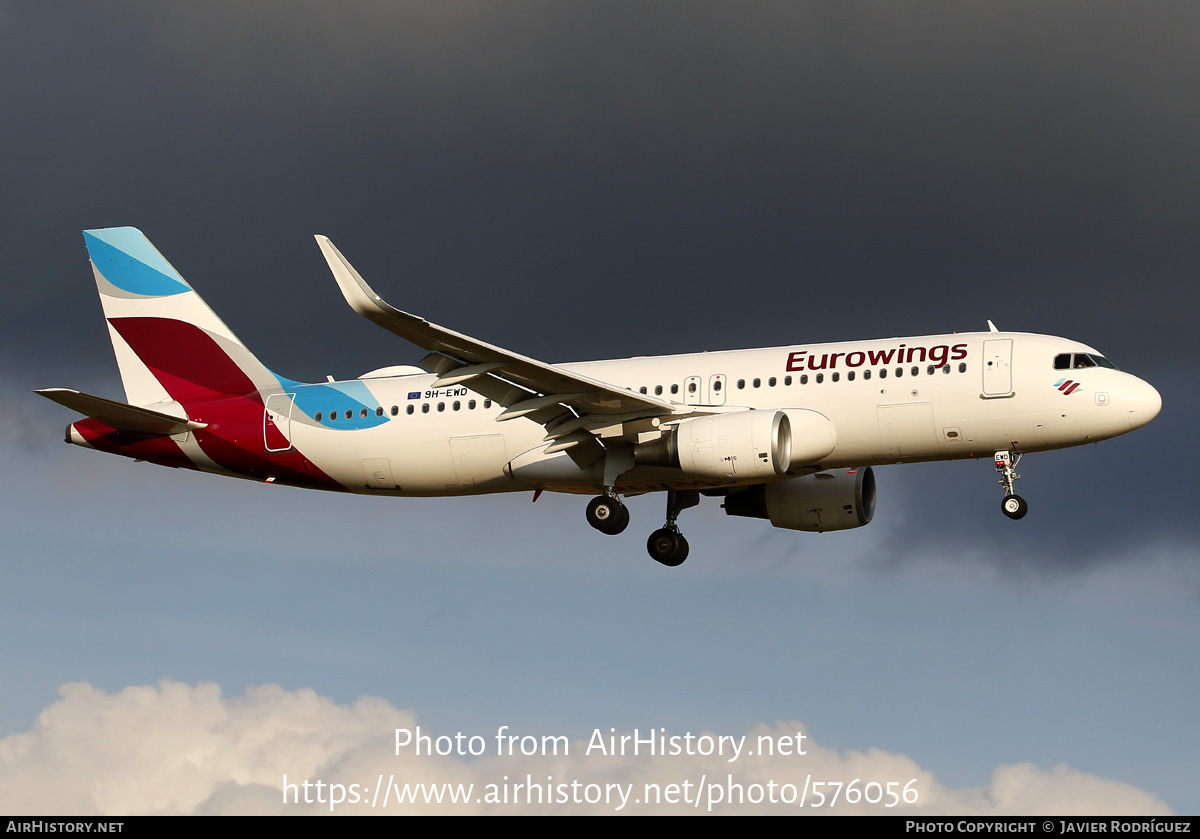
813	436
743	444
837	499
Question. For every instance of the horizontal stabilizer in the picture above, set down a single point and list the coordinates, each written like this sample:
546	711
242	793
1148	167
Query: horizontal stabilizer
118	415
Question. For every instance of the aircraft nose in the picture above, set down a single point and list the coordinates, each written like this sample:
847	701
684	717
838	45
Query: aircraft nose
1144	403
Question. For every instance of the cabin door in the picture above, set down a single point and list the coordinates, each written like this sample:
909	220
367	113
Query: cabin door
716	389
277	422
997	368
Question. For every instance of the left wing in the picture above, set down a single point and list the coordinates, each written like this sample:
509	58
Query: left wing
572	407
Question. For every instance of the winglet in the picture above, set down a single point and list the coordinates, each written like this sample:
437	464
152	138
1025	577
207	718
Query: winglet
361	297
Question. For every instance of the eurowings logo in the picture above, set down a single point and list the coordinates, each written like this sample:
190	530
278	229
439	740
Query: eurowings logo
1066	386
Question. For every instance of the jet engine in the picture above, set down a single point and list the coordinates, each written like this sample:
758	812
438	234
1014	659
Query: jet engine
837	499
743	444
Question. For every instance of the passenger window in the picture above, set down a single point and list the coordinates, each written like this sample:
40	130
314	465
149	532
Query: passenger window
642	389
931	369
457	405
674	389
658	390
771	382
471	405
349	414
318	416
899	372
758	382
691	387
820	378
787	381
836	376
883	373
850	376
962	368
916	371
379	411
409	409
441	407
395	410
425	408
487	403
741	384
866	375
717	385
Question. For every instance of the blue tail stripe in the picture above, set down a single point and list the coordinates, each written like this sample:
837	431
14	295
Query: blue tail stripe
337	397
127	260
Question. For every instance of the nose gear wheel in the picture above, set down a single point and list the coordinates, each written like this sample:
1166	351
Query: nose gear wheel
1014	506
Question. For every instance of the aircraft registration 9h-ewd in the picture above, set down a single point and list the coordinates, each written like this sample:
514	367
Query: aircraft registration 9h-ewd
788	434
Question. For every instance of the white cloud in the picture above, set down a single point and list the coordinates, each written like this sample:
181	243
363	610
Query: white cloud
176	749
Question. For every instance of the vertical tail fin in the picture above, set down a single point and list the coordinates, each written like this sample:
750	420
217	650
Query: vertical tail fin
169	344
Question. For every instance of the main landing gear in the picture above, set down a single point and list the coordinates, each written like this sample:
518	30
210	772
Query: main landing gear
1013	505
667	545
607	514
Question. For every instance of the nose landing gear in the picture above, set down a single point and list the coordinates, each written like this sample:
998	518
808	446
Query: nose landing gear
1013	505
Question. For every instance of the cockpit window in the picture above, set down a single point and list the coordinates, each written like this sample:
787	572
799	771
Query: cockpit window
1081	360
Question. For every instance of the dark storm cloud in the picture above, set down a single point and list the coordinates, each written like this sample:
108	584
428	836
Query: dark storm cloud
583	180
824	144
938	162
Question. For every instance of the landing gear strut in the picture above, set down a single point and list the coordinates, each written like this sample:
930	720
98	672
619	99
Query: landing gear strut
667	545
1013	505
607	514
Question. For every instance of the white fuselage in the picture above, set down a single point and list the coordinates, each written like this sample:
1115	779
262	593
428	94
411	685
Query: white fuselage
780	432
939	397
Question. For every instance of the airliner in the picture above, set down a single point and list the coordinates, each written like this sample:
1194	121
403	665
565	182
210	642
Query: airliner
788	434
